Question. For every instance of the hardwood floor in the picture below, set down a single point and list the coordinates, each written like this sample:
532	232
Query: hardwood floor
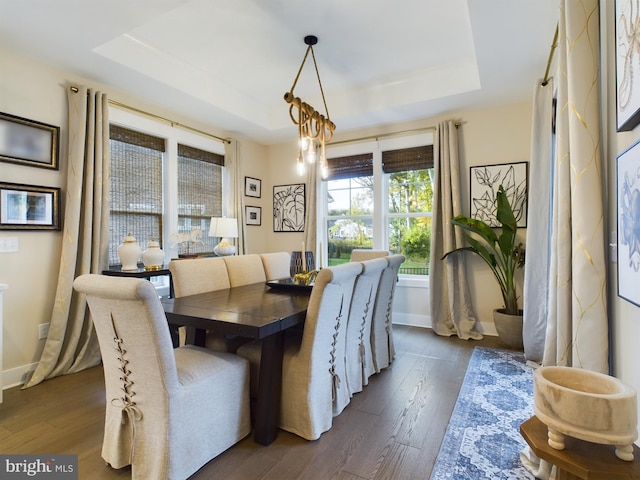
391	430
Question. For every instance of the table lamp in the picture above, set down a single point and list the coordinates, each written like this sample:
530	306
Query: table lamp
224	228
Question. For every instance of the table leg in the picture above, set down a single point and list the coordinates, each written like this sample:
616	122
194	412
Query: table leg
267	414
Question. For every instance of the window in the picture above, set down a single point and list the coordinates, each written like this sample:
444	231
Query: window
136	188
379	195
164	180
198	172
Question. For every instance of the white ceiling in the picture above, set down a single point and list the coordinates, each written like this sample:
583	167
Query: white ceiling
229	63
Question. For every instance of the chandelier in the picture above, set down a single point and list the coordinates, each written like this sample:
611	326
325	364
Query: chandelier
314	129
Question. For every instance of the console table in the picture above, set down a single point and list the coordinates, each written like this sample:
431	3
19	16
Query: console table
141	272
580	459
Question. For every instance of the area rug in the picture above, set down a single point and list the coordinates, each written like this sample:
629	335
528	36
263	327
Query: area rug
483	439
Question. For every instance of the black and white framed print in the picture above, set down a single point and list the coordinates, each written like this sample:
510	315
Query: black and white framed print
28	142
252	187
485	181
29	207
288	208
253	215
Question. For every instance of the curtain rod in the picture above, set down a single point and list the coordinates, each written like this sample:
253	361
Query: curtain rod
392	134
554	45
163	119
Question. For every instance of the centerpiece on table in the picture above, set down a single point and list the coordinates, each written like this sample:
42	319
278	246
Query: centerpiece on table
503	254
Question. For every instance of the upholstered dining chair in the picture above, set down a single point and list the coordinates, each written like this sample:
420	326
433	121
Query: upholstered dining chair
244	269
276	265
358	357
314	387
382	347
199	275
361	254
168	411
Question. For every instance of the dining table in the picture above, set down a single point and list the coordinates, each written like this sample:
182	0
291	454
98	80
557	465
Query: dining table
261	311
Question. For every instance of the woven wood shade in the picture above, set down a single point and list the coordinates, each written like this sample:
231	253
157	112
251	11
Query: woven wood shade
350	166
416	158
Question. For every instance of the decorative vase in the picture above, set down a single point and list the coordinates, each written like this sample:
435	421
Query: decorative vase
296	263
509	328
153	256
129	253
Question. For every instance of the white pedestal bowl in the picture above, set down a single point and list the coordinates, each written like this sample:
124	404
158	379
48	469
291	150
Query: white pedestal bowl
586	405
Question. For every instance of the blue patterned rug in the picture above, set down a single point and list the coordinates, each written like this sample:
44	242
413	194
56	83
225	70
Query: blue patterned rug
483	439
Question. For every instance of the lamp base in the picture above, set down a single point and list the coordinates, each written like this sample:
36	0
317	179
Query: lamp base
224	248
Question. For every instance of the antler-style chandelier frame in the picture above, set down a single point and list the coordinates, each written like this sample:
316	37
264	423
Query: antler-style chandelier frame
314	129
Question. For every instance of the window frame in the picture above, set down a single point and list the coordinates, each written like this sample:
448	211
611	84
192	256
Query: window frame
173	136
381	214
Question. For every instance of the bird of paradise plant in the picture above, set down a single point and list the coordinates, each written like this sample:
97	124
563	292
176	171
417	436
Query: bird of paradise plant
501	252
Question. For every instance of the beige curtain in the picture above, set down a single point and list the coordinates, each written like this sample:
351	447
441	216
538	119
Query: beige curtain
310	218
577	327
451	312
233	197
71	345
536	274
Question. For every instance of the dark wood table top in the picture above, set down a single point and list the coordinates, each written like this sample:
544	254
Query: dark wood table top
254	310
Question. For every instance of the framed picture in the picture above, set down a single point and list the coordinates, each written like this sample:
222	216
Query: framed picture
28	142
627	58
252	187
253	215
28	207
288	208
485	181
628	219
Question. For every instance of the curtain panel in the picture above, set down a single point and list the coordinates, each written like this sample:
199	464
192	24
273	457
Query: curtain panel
72	345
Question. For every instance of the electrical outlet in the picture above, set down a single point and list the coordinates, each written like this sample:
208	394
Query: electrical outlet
43	330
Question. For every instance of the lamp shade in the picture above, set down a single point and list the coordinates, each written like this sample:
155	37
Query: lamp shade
223	227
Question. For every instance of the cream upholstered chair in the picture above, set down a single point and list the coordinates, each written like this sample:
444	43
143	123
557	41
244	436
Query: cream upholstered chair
382	347
199	275
359	360
244	269
314	387
361	254
276	265
168	411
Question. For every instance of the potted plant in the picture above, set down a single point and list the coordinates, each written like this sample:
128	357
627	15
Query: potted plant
503	254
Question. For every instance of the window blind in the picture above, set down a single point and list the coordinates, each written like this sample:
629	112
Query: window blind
350	166
135	188
199	193
402	160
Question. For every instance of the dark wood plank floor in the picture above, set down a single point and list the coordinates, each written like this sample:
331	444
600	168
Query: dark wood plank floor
391	430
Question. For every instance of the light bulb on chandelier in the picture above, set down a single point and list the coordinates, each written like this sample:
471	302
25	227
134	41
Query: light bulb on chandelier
314	129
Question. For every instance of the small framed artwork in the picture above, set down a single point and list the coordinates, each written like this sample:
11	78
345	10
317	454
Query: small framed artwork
253	215
29	207
628	220
627	57
252	187
28	142
289	208
485	181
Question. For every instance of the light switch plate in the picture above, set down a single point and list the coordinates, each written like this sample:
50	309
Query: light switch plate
9	245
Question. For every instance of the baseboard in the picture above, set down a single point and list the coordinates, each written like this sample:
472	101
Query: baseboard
15	377
412	320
